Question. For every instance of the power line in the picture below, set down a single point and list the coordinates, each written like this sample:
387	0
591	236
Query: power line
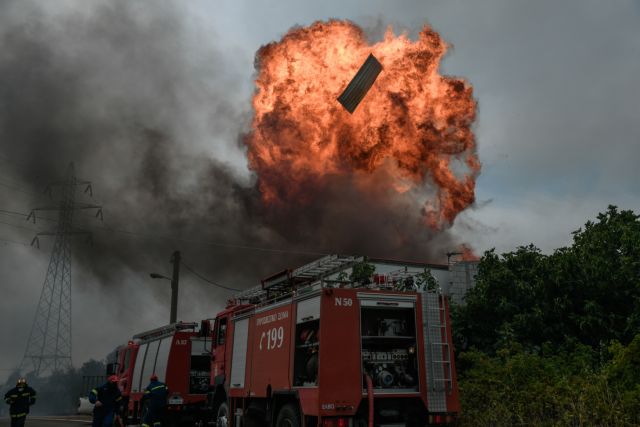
208	243
6	212
16	226
16	188
199	276
182	239
14	242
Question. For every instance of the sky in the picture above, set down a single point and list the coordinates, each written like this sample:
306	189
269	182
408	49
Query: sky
150	101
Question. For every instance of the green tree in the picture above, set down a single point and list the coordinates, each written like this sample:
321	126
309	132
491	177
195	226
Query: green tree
588	292
362	272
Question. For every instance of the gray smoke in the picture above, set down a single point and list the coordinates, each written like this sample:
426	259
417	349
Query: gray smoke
146	103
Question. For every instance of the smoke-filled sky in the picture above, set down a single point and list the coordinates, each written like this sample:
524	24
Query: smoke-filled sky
151	101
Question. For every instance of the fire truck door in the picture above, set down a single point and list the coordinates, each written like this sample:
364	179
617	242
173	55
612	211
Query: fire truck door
219	347
124	368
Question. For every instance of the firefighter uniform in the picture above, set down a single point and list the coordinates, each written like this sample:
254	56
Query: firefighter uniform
156	396
110	400
21	397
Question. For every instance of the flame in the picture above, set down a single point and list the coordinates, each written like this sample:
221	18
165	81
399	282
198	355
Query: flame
411	126
467	253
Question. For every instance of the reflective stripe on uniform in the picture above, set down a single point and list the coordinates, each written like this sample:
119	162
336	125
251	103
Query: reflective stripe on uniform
23	414
147	392
14	395
26	394
146	425
156	424
119	398
94	391
158	387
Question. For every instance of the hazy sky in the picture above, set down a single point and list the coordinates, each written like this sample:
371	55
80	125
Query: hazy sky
558	129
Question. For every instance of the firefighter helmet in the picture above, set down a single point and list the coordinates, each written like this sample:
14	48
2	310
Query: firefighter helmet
21	381
154	377
113	379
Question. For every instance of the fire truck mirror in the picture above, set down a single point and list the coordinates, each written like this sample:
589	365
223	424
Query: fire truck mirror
205	328
222	331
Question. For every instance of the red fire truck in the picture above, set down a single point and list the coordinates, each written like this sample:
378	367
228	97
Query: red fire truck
320	345
180	354
312	347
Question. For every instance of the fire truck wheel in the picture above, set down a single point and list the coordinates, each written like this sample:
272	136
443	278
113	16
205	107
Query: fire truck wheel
222	419
288	416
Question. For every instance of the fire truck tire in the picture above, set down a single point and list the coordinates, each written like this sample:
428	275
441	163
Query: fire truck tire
288	416
222	417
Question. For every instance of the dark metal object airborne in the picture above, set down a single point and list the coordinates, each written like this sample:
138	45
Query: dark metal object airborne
359	86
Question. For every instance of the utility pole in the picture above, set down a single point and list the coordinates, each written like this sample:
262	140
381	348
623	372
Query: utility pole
175	259
49	345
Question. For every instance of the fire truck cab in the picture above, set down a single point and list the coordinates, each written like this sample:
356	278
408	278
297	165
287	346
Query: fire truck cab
311	347
179	354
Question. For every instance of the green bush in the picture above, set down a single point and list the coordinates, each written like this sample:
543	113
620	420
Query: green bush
517	388
554	340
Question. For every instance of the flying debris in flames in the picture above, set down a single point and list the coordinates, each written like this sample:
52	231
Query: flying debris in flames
414	128
361	83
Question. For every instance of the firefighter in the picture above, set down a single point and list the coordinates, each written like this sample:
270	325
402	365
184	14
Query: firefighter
108	401
155	395
20	398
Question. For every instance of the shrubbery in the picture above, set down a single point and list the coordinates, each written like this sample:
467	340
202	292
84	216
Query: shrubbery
555	339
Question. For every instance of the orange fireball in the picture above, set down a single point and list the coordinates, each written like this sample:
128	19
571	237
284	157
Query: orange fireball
412	126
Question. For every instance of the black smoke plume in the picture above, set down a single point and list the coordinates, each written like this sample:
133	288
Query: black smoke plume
148	104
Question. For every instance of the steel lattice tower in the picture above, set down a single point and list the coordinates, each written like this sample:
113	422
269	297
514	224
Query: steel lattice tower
49	345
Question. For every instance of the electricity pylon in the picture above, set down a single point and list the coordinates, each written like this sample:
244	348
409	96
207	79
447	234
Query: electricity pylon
49	346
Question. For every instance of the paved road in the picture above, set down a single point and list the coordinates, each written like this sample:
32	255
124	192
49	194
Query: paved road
36	421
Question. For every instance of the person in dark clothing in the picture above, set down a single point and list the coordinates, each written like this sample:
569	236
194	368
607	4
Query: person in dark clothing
156	396
20	398
108	401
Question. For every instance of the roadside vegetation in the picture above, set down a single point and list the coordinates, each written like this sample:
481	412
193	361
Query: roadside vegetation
554	340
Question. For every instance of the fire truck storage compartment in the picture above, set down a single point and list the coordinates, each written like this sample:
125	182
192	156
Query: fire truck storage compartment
389	357
126	361
305	370
137	370
200	366
239	355
152	358
162	359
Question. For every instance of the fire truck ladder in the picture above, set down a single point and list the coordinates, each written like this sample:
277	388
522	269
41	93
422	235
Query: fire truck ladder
165	330
288	280
438	351
323	267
